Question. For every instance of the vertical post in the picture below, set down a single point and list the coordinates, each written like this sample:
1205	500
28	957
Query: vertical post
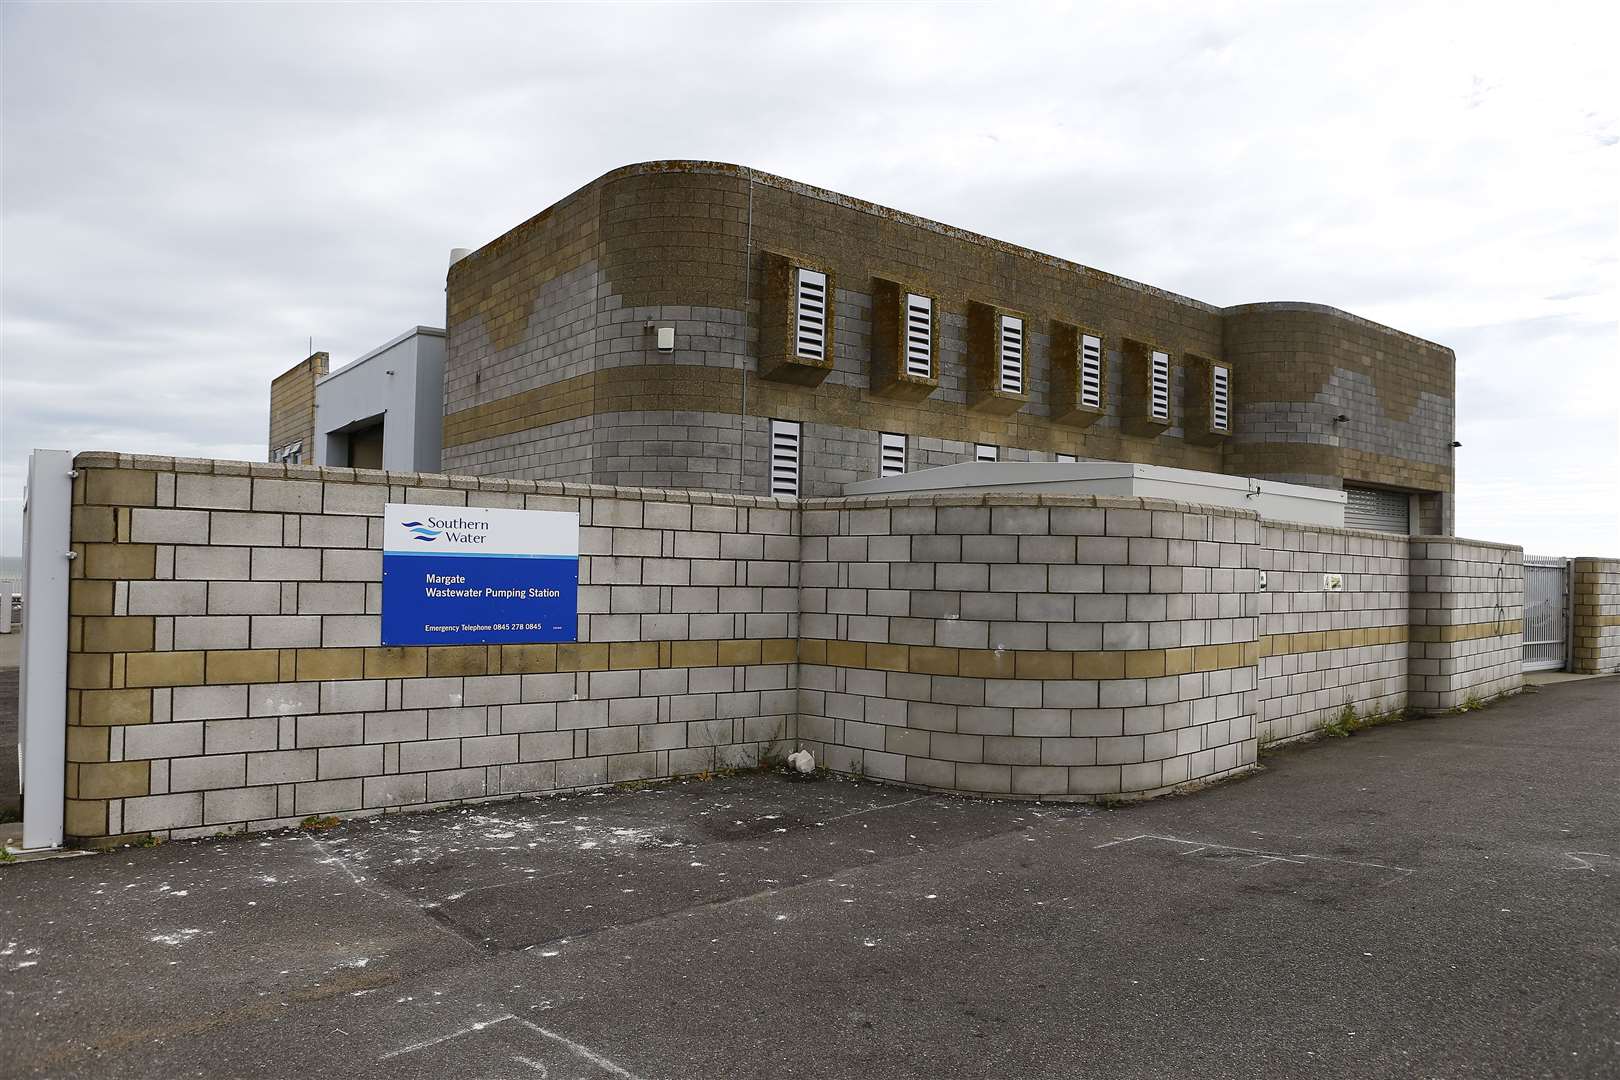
47	553
1569	615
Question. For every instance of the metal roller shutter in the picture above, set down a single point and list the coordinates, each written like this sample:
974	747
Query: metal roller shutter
1383	511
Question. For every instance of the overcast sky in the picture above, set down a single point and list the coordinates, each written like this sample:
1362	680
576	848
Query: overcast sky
192	192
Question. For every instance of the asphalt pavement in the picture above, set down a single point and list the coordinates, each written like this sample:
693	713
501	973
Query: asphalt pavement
1439	898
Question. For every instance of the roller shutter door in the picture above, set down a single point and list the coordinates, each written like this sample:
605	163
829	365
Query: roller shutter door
1383	511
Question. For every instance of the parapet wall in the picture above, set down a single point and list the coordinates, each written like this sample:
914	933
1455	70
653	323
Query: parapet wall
225	670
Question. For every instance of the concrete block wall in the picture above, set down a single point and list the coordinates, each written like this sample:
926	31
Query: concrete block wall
1322	649
225	667
1016	645
1467	622
1596	595
548	326
292	407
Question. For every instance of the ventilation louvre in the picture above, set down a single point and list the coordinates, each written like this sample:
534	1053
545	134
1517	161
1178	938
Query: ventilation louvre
1012	355
1378	509
810	287
1159	389
784	458
891	454
1090	371
919	336
986	452
1220	398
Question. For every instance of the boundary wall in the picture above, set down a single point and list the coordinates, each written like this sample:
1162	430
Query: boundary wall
1596	597
225	673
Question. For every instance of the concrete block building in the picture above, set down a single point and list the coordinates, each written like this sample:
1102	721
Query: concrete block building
383	411
697	325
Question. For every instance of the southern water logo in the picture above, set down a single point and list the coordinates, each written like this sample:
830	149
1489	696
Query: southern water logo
421	532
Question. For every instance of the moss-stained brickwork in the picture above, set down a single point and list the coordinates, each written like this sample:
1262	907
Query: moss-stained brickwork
569	293
292	406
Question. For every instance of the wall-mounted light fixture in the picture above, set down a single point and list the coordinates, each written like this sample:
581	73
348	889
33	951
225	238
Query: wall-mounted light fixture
1341	419
1455	445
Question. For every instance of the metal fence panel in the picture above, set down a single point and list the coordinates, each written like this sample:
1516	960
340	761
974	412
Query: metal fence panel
1546	614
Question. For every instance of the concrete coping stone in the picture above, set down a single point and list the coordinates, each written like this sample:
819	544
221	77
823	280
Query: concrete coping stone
1013	498
107	459
1335	530
1493	545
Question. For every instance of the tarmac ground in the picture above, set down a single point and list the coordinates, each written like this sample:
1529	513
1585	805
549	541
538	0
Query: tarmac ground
1438	898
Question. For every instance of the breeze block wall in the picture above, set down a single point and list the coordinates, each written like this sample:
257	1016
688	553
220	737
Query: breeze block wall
553	373
1024	645
1467	613
1320	648
1596	594
225	672
292	405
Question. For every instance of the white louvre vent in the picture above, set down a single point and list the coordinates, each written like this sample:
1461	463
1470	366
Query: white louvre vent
1066	458
1220	395
1373	508
811	301
1090	371
919	336
986	452
891	454
784	457
1012	355
1159	390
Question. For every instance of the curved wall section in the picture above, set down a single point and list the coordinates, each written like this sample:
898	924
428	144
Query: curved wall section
1061	648
1300	366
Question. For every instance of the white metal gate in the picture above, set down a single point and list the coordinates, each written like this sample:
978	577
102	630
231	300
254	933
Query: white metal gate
1546	613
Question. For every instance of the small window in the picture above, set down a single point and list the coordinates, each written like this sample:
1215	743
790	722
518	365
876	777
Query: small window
1159	390
811	302
291	454
919	336
1064	459
986	452
784	458
1220	398
1090	371
1012	355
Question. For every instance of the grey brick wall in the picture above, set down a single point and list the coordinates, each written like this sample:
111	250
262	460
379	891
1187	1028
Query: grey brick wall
1032	647
1307	680
226	669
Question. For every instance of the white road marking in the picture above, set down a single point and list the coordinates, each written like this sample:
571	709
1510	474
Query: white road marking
1263	856
577	1049
414	1047
583	1051
1581	857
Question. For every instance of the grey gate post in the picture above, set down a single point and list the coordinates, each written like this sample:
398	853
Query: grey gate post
42	733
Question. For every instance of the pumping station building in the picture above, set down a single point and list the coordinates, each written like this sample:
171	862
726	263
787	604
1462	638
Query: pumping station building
706	466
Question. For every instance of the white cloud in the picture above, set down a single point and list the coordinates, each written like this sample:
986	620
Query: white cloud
192	192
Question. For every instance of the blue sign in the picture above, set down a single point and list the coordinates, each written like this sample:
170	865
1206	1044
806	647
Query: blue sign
458	575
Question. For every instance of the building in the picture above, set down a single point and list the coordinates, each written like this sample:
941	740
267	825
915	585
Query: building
384	411
680	324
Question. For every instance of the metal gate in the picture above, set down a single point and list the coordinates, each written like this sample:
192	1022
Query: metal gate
1546	613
